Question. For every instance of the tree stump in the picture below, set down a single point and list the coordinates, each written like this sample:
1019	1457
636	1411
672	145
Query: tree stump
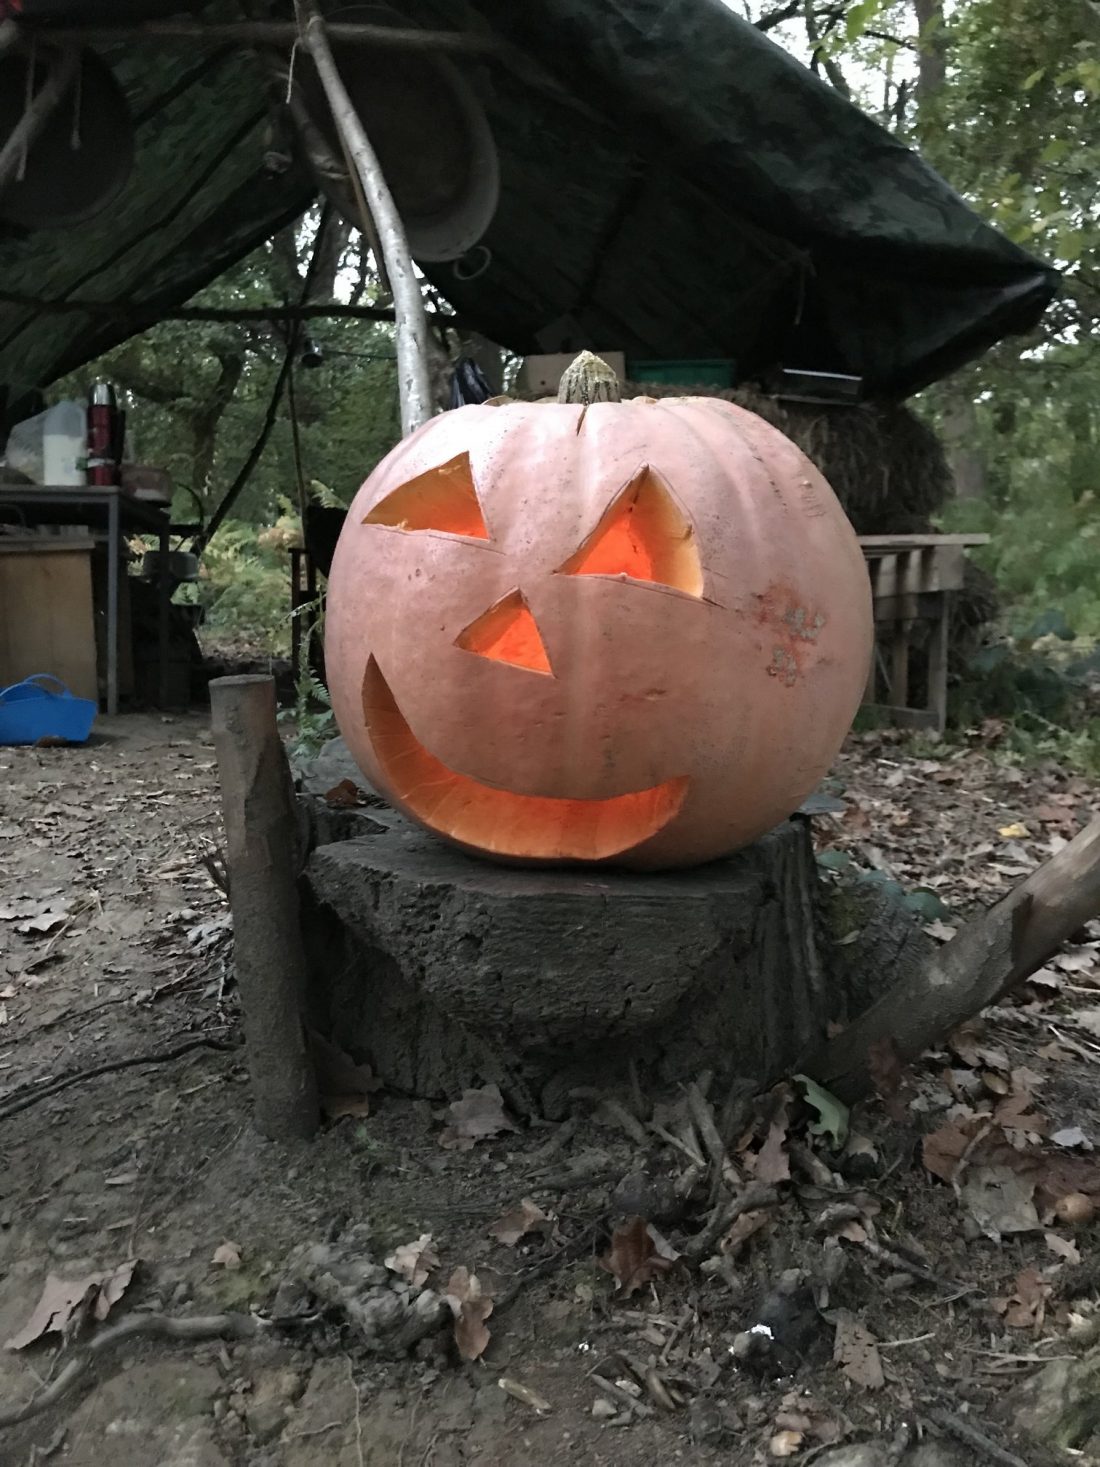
444	971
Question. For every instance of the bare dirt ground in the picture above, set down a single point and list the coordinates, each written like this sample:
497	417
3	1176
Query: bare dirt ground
899	1288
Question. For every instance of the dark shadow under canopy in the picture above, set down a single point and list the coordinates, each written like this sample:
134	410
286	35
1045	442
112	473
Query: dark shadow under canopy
672	184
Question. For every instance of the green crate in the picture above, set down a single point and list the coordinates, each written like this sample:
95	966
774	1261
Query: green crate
702	372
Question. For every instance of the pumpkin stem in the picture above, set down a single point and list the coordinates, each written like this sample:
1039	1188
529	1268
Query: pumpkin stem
588	379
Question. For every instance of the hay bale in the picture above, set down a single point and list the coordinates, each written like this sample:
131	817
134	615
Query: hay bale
886	466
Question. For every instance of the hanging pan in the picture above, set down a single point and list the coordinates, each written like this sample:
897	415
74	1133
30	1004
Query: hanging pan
83	155
428	129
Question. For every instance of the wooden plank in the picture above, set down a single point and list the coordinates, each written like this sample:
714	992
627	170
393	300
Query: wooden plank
46	620
916	542
918	718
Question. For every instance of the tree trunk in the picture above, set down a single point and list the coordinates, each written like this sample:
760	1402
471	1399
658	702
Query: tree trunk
960	438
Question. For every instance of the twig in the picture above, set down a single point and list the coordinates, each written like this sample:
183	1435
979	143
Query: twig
703	1116
573	1249
724	1214
691	1154
964	1432
358	1412
630	1124
902	1264
677	1330
619	1394
959	1169
76	1077
561	1137
200	1327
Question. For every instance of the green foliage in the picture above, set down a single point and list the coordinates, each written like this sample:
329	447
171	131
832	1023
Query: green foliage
244	585
312	717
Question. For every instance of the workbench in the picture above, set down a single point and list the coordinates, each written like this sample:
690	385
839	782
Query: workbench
110	514
913	579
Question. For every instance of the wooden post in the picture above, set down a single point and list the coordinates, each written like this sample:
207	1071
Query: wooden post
413	378
261	860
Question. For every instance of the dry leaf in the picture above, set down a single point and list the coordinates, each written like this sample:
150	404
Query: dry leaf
786	1443
771	1163
478	1116
941	1151
887	1072
414	1261
344	796
1063	1247
227	1255
1069	1136
1016	831
528	1217
65	1302
42	922
743	1229
471	1308
637	1256
1000	1201
1026	1308
344	1084
1014	1114
855	1350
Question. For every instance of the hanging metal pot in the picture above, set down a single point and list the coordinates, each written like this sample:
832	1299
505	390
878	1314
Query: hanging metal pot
82	157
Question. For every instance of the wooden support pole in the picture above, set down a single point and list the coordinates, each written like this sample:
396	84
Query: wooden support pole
983	962
261	860
413	378
61	76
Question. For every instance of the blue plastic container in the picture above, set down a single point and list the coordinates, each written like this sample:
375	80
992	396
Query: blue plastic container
30	712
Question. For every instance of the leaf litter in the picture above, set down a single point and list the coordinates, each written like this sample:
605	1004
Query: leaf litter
66	1304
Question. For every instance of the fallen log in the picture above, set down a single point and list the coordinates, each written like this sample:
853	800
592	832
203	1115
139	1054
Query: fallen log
983	962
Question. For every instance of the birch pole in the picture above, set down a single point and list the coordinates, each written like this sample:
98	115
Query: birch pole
413	383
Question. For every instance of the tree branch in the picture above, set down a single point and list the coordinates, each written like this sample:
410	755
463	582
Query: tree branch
983	962
275	33
142	319
773	18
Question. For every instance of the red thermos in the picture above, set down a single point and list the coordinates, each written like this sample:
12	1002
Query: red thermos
103	465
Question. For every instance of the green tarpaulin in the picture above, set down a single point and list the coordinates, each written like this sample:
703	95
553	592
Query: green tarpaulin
672	184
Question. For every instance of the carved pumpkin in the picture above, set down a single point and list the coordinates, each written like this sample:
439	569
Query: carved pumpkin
630	632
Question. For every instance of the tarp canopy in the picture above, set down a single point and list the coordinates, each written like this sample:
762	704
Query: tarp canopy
673	184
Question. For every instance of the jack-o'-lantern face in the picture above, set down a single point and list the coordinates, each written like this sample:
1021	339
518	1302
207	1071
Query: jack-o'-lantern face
618	634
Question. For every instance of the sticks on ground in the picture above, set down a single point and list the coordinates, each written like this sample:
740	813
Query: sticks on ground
724	1214
201	1327
979	966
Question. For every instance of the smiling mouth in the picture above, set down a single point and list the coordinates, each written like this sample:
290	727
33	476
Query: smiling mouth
525	827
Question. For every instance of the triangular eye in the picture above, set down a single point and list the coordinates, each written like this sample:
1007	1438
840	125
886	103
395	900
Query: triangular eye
507	633
644	535
442	499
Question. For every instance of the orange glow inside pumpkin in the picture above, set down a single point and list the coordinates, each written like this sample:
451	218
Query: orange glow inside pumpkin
643	534
529	827
442	499
507	633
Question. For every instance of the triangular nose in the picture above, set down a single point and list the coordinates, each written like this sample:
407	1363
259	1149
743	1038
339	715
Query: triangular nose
507	633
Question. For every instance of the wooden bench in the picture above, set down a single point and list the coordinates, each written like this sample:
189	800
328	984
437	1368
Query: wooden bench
913	578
